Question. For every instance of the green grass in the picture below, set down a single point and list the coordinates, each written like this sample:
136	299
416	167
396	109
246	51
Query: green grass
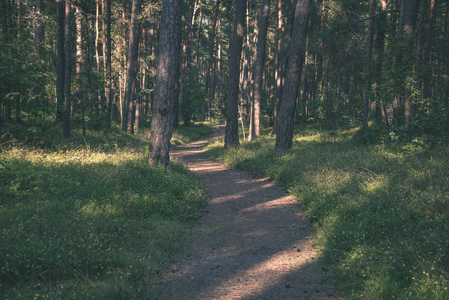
381	211
88	219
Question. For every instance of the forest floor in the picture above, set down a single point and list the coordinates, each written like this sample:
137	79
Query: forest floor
252	241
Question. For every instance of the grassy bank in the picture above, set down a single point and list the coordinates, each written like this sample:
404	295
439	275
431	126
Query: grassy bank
381	211
88	218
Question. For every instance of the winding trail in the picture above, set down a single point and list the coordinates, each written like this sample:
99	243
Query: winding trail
253	241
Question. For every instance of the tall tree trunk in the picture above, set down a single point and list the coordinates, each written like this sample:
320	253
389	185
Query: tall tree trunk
97	53
284	130
61	61
277	60
186	95
369	51
235	52
38	29
259	66
410	15
286	38
210	83
79	57
380	49
133	60
67	69
166	82
427	67
149	44
108	66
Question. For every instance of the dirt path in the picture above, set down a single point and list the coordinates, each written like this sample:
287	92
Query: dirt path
253	242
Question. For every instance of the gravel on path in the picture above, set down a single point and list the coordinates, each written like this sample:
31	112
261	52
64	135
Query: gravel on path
252	241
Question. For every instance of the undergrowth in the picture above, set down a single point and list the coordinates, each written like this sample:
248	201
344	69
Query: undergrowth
381	210
88	218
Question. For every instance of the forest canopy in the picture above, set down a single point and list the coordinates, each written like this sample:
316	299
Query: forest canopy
380	64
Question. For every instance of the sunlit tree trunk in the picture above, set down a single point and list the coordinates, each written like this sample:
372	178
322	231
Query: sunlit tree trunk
284	130
259	67
97	53
235	52
277	60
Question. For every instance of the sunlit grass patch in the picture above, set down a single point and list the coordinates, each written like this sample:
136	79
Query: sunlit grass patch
187	134
381	210
89	222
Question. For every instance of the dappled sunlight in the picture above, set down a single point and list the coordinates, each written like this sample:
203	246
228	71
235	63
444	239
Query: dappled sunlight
273	204
266	274
93	209
375	184
253	241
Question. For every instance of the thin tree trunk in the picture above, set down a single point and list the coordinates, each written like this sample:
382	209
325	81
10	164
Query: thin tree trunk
284	130
166	81
277	60
79	57
428	77
97	53
186	95
369	51
108	66
259	67
133	57
380	47
211	60
235	52
67	69
149	45
61	61
410	15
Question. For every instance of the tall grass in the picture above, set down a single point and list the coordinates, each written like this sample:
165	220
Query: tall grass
88	219
381	211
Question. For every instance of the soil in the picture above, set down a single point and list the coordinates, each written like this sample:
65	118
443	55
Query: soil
252	241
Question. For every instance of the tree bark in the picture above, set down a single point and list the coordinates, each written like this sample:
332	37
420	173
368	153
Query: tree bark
186	95
210	86
369	51
79	56
133	60
284	130
149	45
61	59
38	29
286	38
427	62
166	82
277	60
259	67
235	52
67	69
108	70
410	10
97	53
